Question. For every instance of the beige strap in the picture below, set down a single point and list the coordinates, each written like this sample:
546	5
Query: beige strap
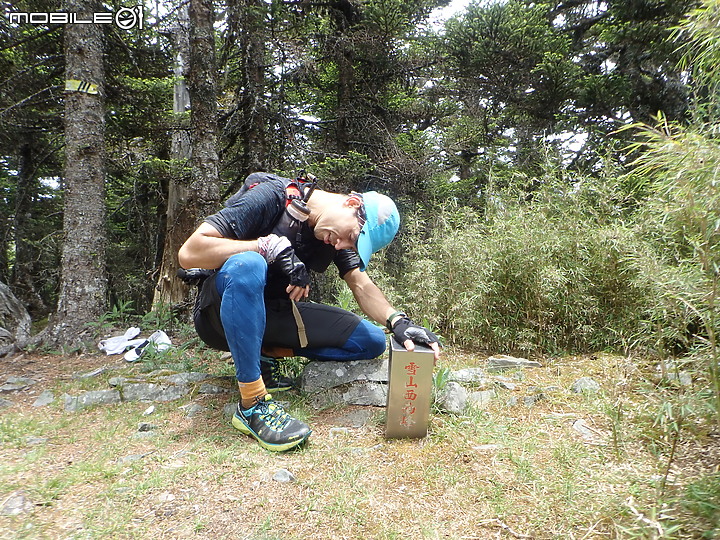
300	325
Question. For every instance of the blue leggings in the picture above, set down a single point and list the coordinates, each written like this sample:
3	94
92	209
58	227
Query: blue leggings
241	282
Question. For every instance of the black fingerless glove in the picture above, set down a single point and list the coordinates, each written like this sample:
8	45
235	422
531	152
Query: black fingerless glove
292	267
405	329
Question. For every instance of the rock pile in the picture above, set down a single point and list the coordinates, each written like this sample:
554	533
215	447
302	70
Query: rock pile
326	384
158	386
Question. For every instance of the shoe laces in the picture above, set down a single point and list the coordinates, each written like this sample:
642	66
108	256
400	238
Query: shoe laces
271	366
272	413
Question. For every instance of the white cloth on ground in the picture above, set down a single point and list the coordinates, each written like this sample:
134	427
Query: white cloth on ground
160	341
118	344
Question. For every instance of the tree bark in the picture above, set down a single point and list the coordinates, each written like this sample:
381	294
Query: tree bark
170	289
190	200
251	94
83	288
26	254
203	115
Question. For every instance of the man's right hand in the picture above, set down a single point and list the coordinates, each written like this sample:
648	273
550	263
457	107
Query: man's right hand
408	333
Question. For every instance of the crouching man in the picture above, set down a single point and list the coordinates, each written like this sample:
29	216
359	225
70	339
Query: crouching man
262	244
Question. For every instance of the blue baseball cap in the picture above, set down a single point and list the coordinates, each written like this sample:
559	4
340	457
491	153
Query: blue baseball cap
382	221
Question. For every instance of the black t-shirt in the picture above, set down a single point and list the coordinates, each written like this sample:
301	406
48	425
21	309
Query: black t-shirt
257	213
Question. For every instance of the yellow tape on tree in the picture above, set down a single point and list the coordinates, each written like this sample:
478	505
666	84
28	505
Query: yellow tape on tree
81	86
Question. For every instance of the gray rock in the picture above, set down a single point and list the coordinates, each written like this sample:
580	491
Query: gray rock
88	399
470	375
503	362
131	458
15	322
355	393
16	503
453	398
46	397
146	426
505	383
144	434
322	375
361	382
120	381
682	377
4	403
16	383
481	399
153	392
192	409
116	381
36	441
283	476
585	384
531	400
229	410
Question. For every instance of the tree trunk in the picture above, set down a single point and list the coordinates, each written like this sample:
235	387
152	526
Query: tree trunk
345	97
26	254
204	188
252	91
169	289
188	203
84	281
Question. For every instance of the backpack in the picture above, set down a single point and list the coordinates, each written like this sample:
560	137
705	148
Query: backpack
297	191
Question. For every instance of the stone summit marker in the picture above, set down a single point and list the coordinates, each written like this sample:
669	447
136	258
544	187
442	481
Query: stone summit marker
410	391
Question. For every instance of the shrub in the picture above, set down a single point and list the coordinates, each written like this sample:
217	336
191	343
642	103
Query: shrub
561	271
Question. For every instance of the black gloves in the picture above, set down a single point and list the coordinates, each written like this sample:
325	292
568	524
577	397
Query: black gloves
404	329
292	267
278	251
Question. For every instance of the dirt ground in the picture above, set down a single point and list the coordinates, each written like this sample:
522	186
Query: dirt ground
519	472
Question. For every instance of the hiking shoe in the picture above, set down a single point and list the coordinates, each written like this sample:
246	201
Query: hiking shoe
273	428
274	381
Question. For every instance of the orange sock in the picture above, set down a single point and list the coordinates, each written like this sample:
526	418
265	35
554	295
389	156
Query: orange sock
250	392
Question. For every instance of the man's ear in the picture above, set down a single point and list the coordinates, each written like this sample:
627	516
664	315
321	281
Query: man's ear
353	200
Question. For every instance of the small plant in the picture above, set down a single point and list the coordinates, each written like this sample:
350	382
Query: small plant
441	377
346	300
702	499
160	317
119	316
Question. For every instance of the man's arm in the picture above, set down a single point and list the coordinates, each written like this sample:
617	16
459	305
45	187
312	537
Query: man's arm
207	248
369	296
373	303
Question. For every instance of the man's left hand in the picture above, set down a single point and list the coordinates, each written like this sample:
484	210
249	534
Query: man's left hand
408	333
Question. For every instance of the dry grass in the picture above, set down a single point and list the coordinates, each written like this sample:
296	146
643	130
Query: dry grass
509	471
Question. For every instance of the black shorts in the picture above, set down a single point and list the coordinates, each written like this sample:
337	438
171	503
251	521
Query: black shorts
325	326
